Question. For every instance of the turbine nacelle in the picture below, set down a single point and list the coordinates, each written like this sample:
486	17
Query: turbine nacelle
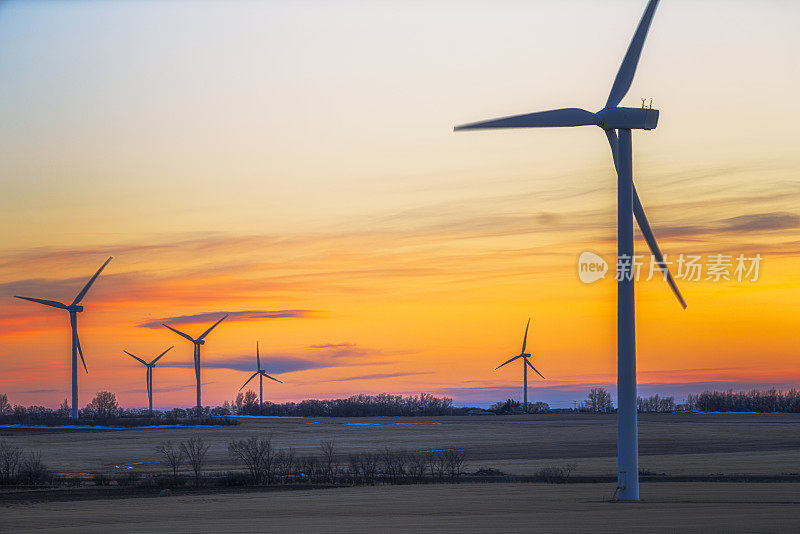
627	118
76	308
200	342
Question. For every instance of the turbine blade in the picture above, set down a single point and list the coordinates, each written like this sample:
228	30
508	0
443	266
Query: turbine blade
534	368
248	381
187	336
647	232
89	283
258	358
644	225
53	303
212	328
542	119
80	351
160	355
271	378
613	140
624	79
136	357
525	339
509	361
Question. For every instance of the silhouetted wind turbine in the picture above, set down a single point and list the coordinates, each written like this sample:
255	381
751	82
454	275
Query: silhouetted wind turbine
74	309
197	342
617	123
150	367
260	373
525	364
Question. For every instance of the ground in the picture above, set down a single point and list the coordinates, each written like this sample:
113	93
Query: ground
668	507
677	445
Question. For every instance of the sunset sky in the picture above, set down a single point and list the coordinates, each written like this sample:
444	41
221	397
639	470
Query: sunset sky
293	164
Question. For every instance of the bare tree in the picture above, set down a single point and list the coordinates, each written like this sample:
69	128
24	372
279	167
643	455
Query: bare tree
5	406
417	465
330	466
103	407
598	401
257	455
195	451
388	464
10	456
285	462
354	466
309	467
172	455
368	465
454	459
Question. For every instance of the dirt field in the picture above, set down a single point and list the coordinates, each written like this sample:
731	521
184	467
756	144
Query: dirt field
680	444
675	444
669	507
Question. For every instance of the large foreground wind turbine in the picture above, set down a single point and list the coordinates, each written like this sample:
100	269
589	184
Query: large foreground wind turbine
260	373
197	342
617	123
525	364
150	367
74	309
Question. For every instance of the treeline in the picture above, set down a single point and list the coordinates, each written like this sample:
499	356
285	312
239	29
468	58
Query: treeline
264	463
511	406
382	405
746	401
105	410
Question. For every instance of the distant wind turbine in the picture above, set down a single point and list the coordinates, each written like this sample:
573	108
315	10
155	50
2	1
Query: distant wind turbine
526	363
617	123
260	373
197	342
74	309
150	367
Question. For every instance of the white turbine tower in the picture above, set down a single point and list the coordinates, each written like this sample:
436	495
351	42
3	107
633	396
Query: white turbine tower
525	364
197	344
149	376
74	309
617	123
260	373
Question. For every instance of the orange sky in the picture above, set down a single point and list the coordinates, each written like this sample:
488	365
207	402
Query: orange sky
298	169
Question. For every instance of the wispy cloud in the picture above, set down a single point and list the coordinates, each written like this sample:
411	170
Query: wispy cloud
376	376
271	364
763	222
332	346
233	316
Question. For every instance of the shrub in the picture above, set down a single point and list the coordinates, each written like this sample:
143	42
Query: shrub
554	475
489	472
33	470
234	478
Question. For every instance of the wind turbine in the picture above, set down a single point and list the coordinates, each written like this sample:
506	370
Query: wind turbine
197	342
526	363
617	122
74	309
150	367
260	373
